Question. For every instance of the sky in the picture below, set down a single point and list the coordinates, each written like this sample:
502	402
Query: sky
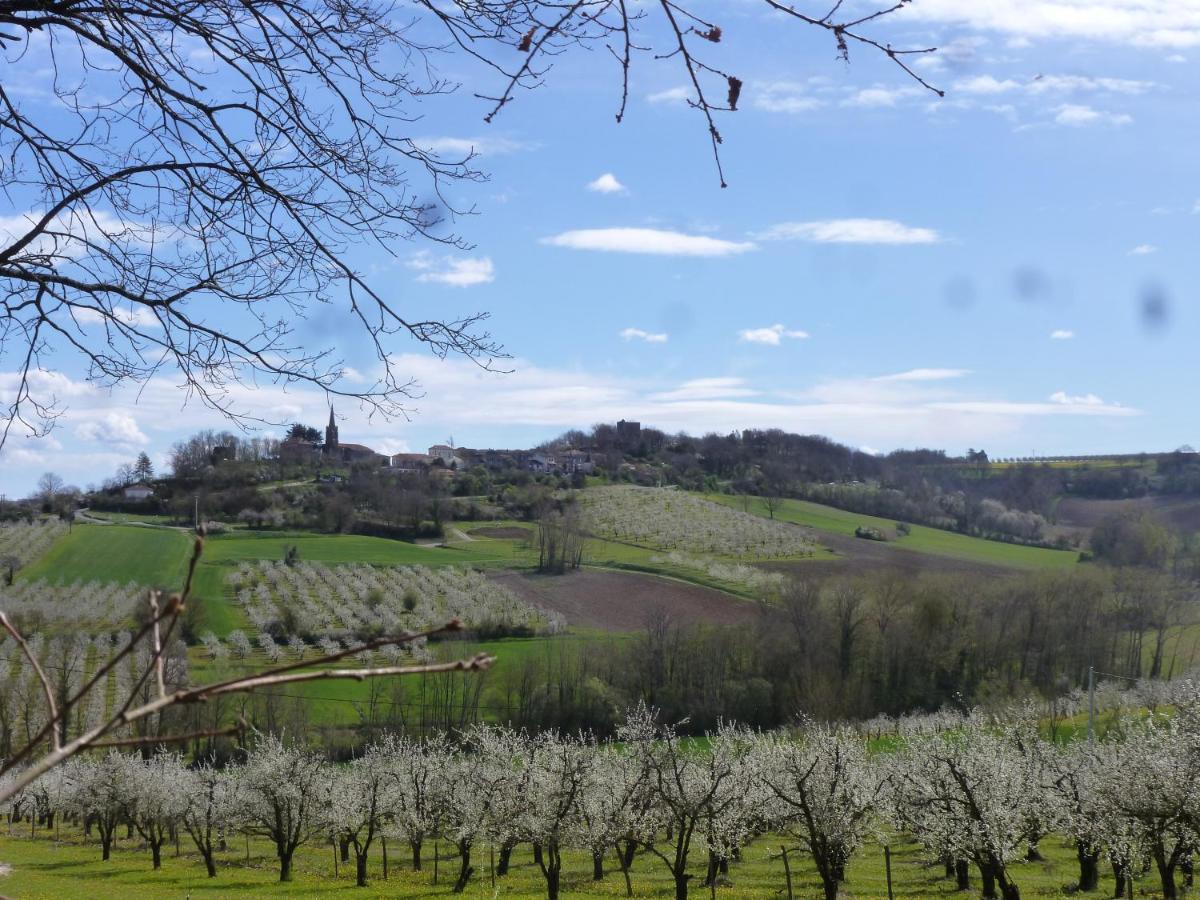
1012	267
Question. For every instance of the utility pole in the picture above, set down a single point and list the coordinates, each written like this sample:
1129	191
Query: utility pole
1091	704
196	515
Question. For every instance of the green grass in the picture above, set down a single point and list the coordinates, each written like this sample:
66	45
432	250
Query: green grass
151	556
921	539
71	869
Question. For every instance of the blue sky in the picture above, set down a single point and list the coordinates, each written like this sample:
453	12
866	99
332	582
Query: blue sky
885	268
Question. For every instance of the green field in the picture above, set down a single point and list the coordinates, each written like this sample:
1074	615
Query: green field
156	557
921	539
71	869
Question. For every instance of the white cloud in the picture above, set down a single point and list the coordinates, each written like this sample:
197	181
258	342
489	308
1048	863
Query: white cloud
784	97
1176	58
606	184
1077	115
113	428
651	241
670	95
461	148
985	84
1064	399
925	375
851	231
1079	84
706	389
1153	23
630	334
882	96
1143	250
135	317
772	335
1062	334
454	272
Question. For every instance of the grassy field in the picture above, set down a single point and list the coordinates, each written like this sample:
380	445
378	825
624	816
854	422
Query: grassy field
151	556
920	540
71	869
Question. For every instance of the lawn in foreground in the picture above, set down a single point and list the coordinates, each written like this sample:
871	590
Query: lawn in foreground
43	868
921	539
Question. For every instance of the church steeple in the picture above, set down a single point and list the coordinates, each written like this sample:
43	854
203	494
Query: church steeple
331	433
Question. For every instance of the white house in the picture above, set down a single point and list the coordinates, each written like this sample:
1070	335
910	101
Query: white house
139	491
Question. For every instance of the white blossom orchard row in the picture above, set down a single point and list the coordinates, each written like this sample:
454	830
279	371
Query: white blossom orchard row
667	519
1110	695
359	601
238	645
759	580
81	607
978	796
23	542
69	661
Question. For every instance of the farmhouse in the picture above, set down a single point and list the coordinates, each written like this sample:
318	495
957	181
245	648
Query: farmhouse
138	491
411	462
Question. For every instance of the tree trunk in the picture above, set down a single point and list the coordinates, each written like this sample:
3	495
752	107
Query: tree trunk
464	869
948	862
1033	854
830	886
344	848
597	865
1121	876
681	885
1166	873
627	856
506	852
1008	888
156	854
416	853
710	874
360	868
1188	868
537	854
988	876
285	867
624	869
962	875
1089	867
210	864
105	846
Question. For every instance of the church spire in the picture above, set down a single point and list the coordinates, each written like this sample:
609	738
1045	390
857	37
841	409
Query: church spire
331	433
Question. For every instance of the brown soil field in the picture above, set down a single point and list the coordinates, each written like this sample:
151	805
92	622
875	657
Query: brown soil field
1180	513
508	532
855	556
625	601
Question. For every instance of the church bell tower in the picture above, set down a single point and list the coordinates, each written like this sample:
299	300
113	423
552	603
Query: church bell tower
331	434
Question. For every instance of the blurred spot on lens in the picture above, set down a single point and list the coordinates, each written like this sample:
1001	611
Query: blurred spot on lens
1031	284
1154	307
959	292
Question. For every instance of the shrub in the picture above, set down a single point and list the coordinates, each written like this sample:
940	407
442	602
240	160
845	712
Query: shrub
870	534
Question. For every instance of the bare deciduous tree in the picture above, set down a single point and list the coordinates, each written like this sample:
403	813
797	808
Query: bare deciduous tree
189	179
